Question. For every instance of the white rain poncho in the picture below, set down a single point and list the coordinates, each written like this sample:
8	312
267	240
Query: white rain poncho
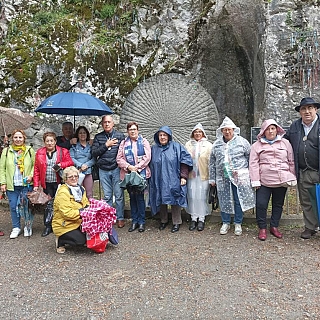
198	181
229	162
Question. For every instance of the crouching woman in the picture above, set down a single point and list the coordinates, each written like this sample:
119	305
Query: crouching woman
70	199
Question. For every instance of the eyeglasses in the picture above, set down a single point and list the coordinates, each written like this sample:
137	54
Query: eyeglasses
72	177
132	129
306	108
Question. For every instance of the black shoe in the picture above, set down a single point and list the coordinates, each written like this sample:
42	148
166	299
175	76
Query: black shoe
142	227
46	231
163	225
175	228
307	233
133	227
192	225
200	226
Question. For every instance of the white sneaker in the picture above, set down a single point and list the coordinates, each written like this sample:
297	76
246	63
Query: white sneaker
225	228
26	232
237	229
15	233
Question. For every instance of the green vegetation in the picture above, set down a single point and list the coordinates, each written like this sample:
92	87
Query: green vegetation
107	11
72	36
289	21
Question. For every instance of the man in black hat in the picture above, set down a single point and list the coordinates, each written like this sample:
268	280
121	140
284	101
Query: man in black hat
304	138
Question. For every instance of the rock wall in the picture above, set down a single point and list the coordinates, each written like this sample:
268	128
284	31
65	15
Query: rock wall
241	52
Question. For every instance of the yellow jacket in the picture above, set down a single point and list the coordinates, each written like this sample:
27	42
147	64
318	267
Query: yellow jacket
7	166
66	215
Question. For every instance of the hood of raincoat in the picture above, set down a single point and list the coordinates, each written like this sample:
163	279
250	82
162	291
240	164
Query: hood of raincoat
227	123
280	131
164	129
198	126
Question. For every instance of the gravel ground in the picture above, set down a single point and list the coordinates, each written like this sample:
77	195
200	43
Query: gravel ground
160	275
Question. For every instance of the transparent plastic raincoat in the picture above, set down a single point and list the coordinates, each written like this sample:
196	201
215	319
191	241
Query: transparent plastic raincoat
229	162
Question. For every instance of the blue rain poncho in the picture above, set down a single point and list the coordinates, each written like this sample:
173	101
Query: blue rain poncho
164	184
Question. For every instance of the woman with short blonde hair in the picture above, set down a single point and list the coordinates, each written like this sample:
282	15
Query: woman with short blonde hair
68	202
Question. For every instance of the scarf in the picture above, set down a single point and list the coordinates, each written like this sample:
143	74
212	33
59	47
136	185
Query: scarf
128	152
271	141
76	192
20	153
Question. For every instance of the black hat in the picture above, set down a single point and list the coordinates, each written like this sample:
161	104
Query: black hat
307	101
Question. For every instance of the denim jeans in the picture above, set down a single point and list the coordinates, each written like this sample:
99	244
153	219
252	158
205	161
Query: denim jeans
238	213
263	197
13	197
110	182
137	208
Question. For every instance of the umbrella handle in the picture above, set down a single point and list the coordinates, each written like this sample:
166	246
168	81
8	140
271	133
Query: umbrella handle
4	129
25	182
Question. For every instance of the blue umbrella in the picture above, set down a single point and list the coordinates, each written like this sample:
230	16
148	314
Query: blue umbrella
74	104
318	201
314	193
24	210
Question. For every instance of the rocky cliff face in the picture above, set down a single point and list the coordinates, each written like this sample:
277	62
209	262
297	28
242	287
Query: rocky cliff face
256	59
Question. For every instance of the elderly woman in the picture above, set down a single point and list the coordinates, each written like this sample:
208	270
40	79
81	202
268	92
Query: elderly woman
16	174
82	158
228	169
170	165
68	202
134	154
272	170
198	183
50	159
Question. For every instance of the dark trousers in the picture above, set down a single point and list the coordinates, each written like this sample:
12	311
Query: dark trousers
307	180
175	212
263	196
73	238
51	189
137	207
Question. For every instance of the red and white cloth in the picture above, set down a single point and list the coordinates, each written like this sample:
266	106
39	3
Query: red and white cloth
98	217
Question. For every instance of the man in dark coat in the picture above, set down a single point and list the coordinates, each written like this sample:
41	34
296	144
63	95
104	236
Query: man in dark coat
170	165
105	149
67	139
304	136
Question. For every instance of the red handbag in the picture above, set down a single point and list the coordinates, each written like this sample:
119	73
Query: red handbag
98	242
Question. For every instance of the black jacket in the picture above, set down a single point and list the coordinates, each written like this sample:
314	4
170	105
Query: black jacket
106	159
294	136
63	142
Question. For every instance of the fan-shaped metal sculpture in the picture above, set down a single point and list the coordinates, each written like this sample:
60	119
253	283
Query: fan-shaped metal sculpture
170	99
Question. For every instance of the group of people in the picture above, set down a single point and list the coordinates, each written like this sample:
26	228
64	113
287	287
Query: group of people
178	176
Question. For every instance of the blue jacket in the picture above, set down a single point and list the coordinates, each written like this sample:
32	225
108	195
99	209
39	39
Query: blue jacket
164	184
106	159
82	156
294	136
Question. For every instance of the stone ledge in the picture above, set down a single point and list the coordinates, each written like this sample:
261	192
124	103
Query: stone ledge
249	218
214	217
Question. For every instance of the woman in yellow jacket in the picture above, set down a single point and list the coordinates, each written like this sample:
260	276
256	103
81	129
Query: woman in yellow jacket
69	200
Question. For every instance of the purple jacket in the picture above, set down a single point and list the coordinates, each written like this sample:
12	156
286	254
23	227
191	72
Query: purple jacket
271	164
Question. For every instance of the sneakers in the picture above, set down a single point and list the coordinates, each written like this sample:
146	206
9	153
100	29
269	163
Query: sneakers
225	228
27	232
15	233
237	229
